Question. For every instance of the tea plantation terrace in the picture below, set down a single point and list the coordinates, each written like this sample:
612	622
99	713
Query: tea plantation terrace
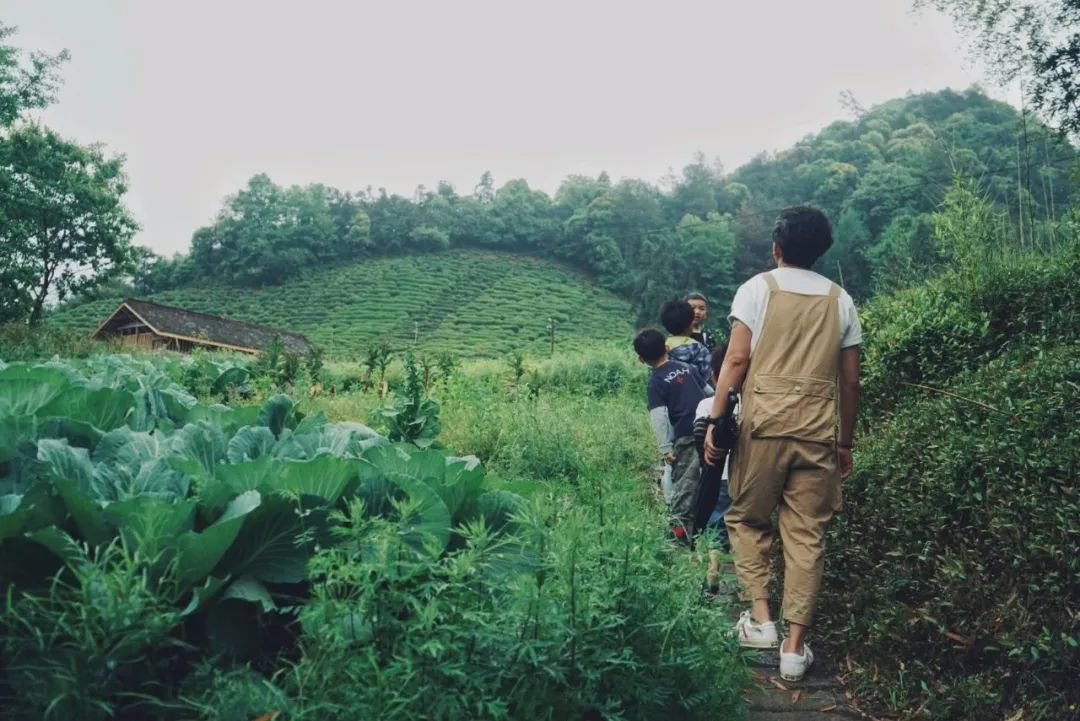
468	303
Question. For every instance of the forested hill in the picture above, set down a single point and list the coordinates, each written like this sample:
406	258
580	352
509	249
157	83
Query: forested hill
879	176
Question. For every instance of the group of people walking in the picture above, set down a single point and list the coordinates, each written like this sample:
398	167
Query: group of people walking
793	359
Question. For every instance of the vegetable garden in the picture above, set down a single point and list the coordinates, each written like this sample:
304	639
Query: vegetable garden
166	556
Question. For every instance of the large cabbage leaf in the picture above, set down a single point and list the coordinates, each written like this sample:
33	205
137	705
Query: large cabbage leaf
201	552
125	464
269	548
24	390
102	408
249	443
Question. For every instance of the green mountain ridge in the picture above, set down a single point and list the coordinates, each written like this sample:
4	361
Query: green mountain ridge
465	302
879	177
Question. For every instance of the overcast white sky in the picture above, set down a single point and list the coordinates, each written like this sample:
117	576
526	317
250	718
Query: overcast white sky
202	94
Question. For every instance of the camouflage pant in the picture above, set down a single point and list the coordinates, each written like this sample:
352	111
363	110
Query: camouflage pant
685	480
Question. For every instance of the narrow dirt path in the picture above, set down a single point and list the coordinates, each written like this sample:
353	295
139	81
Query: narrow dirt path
818	697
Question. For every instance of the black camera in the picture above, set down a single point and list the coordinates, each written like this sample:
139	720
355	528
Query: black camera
727	428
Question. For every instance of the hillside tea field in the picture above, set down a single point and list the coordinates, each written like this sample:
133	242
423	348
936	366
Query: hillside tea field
464	302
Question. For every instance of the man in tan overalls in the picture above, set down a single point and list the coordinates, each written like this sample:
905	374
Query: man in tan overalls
794	354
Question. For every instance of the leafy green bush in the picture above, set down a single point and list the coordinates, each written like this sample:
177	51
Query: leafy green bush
94	640
954	578
412	417
596	373
20	342
214	375
961	320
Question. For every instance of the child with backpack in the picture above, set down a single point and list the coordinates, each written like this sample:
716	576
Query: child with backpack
677	316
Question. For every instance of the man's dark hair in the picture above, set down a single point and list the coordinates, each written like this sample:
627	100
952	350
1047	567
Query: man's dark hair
716	359
696	296
803	234
677	316
649	344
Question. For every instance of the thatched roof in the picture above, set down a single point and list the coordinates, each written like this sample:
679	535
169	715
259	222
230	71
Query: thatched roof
205	329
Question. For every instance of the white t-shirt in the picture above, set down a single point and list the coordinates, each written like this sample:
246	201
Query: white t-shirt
703	409
752	298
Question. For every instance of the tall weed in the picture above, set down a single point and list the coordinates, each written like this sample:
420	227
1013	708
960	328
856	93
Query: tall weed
97	641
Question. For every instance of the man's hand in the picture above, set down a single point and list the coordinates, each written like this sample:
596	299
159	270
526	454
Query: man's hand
843	457
713	455
670	458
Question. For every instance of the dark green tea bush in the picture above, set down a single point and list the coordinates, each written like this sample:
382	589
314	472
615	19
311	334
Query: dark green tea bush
961	320
954	578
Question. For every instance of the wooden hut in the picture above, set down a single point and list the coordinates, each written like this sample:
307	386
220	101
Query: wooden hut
145	324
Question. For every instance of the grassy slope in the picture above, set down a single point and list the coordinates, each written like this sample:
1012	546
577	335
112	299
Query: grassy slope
466	302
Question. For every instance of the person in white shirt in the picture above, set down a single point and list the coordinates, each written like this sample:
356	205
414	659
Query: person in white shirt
795	339
713	499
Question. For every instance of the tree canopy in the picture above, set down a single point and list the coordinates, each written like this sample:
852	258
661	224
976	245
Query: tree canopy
879	177
1037	41
63	226
26	83
62	222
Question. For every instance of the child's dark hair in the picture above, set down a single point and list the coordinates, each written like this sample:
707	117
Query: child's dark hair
716	359
696	296
677	316
649	344
803	234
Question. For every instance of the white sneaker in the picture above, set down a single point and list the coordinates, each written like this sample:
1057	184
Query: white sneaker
755	635
793	666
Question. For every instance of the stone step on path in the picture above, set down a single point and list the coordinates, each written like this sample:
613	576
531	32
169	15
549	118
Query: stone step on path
818	697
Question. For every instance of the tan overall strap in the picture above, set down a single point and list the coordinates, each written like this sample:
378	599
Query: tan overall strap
771	281
834	291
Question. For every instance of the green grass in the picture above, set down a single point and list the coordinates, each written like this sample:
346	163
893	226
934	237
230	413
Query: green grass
469	303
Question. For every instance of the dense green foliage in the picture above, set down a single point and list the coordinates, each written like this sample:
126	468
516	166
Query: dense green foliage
879	177
956	569
882	176
1035	41
164	558
20	342
953	581
465	302
63	226
965	318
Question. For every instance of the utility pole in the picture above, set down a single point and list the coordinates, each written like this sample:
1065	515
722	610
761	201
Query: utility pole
551	332
416	332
